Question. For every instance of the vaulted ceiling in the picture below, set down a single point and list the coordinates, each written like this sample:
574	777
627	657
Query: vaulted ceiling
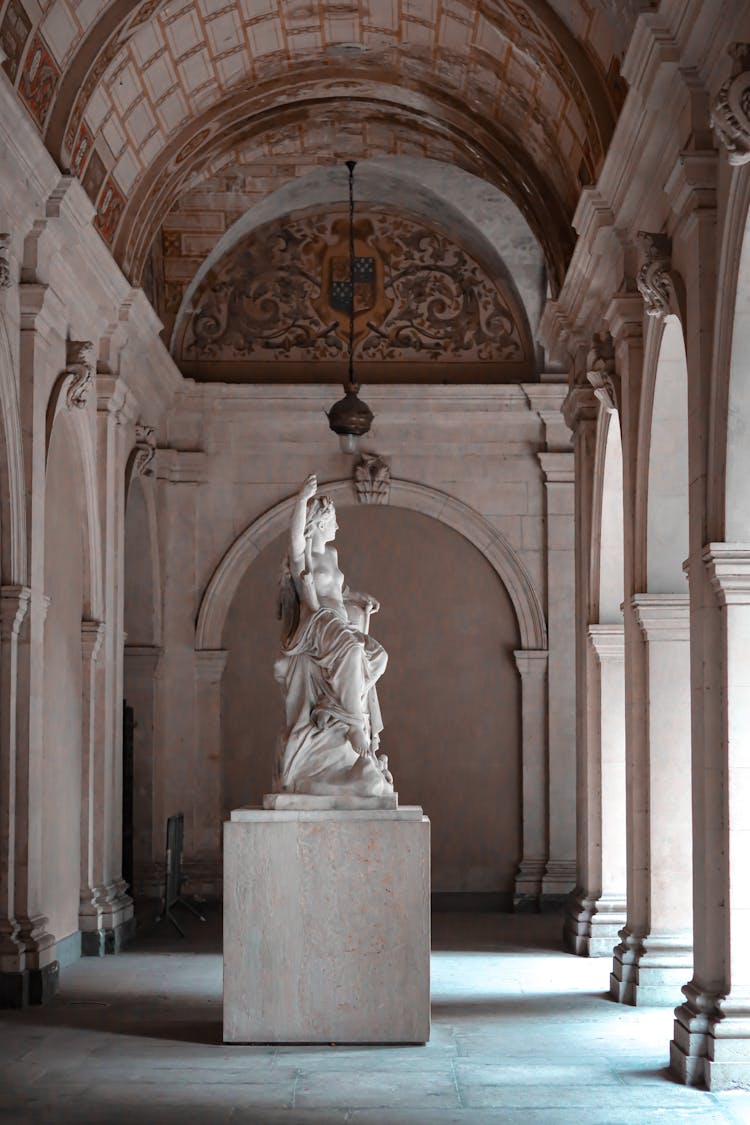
141	100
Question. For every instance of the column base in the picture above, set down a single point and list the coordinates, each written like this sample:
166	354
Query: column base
711	1044
649	970
558	882
592	925
102	942
527	893
29	987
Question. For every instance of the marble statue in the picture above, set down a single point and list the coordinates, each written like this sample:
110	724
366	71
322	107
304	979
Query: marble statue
328	668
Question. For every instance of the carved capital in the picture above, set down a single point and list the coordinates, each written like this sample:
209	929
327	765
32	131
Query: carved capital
372	479
145	447
602	371
80	364
654	279
730	116
4	261
580	407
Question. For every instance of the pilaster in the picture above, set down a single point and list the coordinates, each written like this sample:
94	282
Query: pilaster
532	666
712	1027
207	792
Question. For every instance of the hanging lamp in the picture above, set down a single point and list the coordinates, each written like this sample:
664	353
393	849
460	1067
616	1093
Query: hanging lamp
350	417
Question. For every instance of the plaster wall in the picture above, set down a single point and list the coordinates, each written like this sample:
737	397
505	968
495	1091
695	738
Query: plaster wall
450	695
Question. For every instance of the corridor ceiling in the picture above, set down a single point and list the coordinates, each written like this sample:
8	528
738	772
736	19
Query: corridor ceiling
149	102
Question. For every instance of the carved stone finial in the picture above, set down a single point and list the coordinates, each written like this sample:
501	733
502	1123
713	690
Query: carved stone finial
730	116
81	365
653	280
372	479
4	261
145	445
601	371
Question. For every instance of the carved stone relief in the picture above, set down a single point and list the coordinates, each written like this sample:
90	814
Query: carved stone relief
81	365
145	445
5	261
653	280
285	294
730	116
372	479
602	373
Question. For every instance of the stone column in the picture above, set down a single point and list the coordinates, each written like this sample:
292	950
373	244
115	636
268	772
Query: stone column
592	930
581	408
141	669
712	1027
560	872
532	665
203	869
114	903
656	954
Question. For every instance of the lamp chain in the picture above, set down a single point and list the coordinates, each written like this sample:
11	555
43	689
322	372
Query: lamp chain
352	387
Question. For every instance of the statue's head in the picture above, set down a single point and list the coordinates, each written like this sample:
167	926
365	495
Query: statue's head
320	510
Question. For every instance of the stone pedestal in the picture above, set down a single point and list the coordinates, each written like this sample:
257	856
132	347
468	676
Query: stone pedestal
327	926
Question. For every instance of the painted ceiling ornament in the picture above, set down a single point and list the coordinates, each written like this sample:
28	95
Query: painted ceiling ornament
145	446
730	116
5	278
372	479
654	280
80	364
602	372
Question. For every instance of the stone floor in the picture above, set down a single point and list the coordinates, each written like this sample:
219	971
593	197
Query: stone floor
522	1032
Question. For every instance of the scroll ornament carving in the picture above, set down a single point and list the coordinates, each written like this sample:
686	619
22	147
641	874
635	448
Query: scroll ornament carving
286	291
730	116
145	445
601	371
654	281
372	480
80	364
4	261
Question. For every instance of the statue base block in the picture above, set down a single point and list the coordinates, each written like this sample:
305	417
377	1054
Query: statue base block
327	926
305	801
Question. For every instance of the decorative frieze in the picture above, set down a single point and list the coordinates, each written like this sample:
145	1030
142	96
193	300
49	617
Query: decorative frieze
654	278
80	364
372	479
730	116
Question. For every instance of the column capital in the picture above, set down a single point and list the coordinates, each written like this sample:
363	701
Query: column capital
607	641
581	406
532	662
210	664
663	617
728	567
142	660
14	605
558	468
92	635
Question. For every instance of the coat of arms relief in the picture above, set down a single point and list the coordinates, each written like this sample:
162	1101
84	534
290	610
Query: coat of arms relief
285	294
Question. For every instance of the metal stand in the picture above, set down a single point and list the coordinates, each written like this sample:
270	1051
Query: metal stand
173	882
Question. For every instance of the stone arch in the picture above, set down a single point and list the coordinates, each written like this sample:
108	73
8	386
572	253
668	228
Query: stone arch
404	494
13	546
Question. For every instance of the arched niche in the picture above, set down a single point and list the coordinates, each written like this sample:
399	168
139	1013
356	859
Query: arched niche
65	585
495	547
667	544
450	696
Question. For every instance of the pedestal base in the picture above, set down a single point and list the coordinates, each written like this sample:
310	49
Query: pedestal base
31	986
327	926
650	970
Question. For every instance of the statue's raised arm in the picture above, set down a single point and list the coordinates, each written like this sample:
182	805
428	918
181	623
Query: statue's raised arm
329	666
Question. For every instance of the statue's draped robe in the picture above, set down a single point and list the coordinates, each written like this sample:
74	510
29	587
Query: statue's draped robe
327	672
